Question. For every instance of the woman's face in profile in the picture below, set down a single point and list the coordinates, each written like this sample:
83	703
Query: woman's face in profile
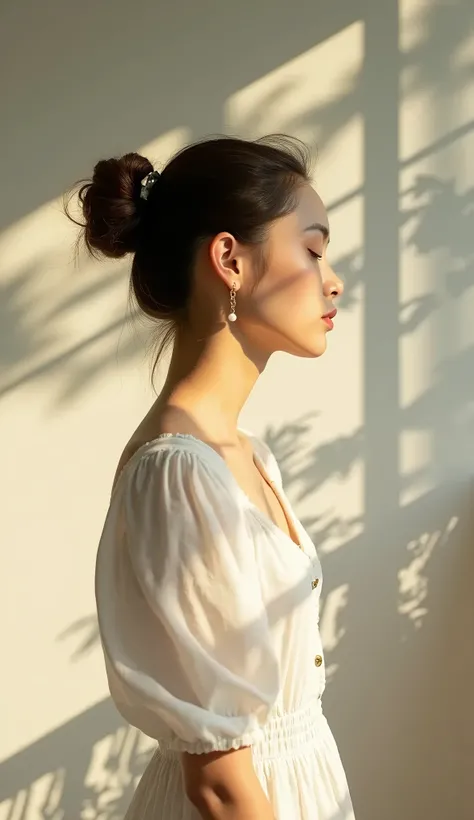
292	306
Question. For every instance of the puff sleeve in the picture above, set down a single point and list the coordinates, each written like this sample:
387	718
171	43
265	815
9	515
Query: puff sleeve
188	649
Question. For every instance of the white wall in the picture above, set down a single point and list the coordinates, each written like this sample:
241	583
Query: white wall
375	440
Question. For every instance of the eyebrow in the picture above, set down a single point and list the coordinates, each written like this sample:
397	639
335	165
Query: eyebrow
318	226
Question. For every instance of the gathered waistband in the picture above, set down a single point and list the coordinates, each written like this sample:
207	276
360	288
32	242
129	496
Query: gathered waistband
286	734
292	732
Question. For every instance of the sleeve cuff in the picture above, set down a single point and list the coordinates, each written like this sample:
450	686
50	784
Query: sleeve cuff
218	744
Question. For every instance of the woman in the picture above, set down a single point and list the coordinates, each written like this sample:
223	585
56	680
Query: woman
207	585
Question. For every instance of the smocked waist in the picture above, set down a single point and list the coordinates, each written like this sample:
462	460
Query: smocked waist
286	734
291	733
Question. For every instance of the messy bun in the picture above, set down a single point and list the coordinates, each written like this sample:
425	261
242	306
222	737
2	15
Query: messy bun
112	207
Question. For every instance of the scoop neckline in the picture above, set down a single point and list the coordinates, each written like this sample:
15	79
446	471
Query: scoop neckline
264	519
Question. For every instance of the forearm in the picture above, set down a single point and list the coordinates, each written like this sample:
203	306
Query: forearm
220	804
224	786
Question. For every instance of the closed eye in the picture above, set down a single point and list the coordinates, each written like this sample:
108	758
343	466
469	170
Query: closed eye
314	255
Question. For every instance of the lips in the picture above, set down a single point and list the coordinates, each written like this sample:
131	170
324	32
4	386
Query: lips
328	318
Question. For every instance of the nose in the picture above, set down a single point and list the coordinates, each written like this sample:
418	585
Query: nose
333	286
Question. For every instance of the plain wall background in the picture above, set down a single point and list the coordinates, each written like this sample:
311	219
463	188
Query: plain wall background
375	440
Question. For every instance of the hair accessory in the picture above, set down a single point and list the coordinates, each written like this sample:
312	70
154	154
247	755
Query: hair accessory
147	183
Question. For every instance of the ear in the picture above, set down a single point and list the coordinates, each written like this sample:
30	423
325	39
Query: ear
226	256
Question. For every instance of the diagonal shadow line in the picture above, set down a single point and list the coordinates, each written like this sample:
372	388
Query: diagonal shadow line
61	358
438	145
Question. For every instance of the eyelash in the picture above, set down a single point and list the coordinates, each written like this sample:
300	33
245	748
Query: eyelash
315	255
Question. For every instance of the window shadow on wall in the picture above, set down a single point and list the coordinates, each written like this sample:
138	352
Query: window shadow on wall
396	595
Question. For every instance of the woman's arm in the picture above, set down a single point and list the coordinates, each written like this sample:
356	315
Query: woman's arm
206	655
224	786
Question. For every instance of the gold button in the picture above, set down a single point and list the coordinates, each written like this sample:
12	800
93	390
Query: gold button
314	583
318	660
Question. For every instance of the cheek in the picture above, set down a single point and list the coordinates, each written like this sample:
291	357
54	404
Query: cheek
291	282
301	296
284	313
308	293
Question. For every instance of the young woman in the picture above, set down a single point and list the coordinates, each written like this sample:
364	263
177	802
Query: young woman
207	585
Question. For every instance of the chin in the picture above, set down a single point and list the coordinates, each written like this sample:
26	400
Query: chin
309	345
309	348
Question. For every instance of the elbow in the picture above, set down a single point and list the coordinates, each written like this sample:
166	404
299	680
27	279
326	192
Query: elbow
208	800
218	782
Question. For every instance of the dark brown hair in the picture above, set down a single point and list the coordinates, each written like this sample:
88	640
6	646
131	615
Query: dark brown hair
221	184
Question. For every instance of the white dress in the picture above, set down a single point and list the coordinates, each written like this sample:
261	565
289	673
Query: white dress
208	616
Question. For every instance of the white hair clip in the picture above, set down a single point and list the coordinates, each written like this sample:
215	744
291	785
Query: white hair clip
147	183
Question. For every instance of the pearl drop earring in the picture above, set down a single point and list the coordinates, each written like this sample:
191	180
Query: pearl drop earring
232	315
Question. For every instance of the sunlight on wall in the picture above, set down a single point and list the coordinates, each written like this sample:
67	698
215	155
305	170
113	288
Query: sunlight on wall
416	454
309	96
312	96
59	309
74	380
437	159
111	770
161	149
413	578
68	353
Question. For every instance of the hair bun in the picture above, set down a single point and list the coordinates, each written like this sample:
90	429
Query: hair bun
111	205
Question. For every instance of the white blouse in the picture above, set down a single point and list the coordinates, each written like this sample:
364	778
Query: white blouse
208	616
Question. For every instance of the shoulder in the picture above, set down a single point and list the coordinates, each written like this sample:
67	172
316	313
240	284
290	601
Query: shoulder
175	465
177	492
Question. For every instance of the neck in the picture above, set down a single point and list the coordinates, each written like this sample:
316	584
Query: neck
209	380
